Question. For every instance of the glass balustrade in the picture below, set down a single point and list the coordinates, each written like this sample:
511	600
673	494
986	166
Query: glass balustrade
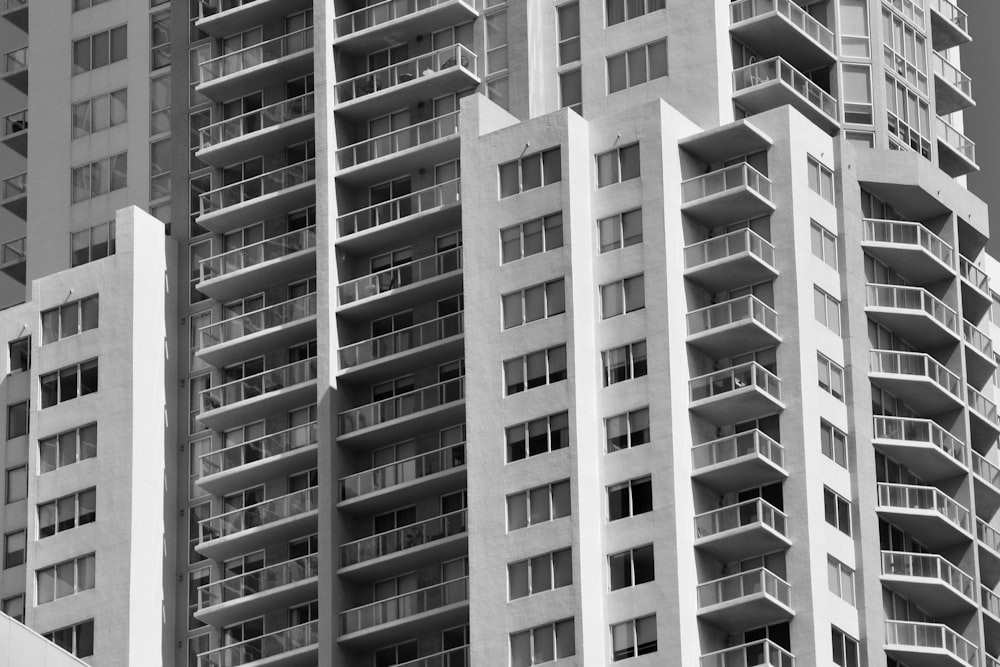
402	471
952	74
951	12
956	140
974	275
719	383
15	60
761	653
259	514
409	338
986	469
15	122
729	245
917	364
740	445
988	535
740	515
258	449
378	13
258	253
15	186
401	207
977	338
406	404
734	177
982	405
931	636
744	584
777	69
259	186
403	606
927	566
921	431
453	657
738	310
256	120
259	383
912	298
14	252
402	275
256	321
743	10
257	54
908	233
399	140
270	645
258	581
400	539
408	70
924	499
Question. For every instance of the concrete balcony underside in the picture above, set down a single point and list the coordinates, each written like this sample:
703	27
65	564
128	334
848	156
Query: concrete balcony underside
752	610
381	169
257	343
271	402
987	495
261	76
733	204
257	277
925	656
17	15
261	470
258	537
927	461
402	29
918	391
399	363
932	595
949	97
913	262
17	204
392	300
740	473
404	427
17	78
258	604
945	31
401	495
17	141
916	326
982	428
742	542
266	141
248	15
306	656
380	102
974	298
740	336
737	405
424	223
953	161
405	560
927	526
774	93
737	270
772	34
416	625
231	218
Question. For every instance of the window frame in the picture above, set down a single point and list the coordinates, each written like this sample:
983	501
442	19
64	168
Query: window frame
837	511
555	438
628	490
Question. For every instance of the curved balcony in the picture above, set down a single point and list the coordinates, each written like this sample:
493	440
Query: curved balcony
405	481
921	317
928	514
427	343
738	258
772	83
929	581
956	152
983	422
988	541
14	258
403	414
256	266
927	449
297	646
401	151
761	653
725	195
750	528
248	398
15	11
254	333
738	461
255	593
736	394
976	294
274	193
410	614
256	526
15	131
222	18
979	361
14	195
375	557
910	249
425	279
255	461
728	328
258	132
427	76
397	21
782	28
949	24
756	597
929	645
952	86
986	483
424	212
258	66
917	379
14	68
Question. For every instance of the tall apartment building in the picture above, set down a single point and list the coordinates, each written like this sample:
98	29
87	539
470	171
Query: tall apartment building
497	332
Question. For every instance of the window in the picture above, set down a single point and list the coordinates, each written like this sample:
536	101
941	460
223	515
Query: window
159	114
77	639
538	505
833	442
17	484
827	310
68	512
571	90
569	32
19	352
159	37
531	238
845	649
552	641
530	172
67	578
69	319
820	178
100	177
533	303
824	244
68	383
17	419
630	498
86	4
537	436
624	363
534	370
841	579
838	511
619	231
100	113
631	567
632	638
637	66
856	92
67	448
14	607
541	573
908	117
99	49
629	429
831	376
93	243
14	545
623	296
623	10
618	165
160	174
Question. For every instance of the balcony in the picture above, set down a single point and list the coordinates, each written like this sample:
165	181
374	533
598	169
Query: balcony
259	66
274	193
982	416
256	526
395	21
732	260
753	598
251	334
424	212
986	483
407	548
271	391
427	343
15	11
15	195
956	152
927	449
401	482
255	461
411	614
750	528
979	361
917	379
257	592
15	131
928	514
297	646
725	195
736	394
14	258
401	151
991	614
910	249
222	18
738	325
772	83
453	657
952	87
782	28
14	69
761	653
949	25
924	320
738	461
404	414
976	296
929	645
428	76
259	132
928	580
425	279
256	266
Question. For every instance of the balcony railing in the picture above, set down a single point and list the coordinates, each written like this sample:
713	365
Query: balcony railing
273	444
381	213
261	514
977	338
15	122
988	535
750	374
923	498
258	320
744	584
257	186
777	69
15	60
744	10
405	605
12	252
982	405
723	180
913	298
737	446
986	469
254	121
15	186
406	71
258	253
259	648
259	383
727	245
398	140
914	11
740	309
740	515
951	12
258	581
908	233
402	471
917	364
258	54
974	275
453	657
991	601
931	636
13	4
922	431
416	271
401	539
402	340
952	74
929	566
410	403
958	141
379	13
761	653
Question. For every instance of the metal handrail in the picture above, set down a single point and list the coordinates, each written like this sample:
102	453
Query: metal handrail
750	374
259	514
761	653
741	309
400	539
725	179
455	55
409	338
258	252
274	379
402	275
740	515
777	68
14	252
258	449
974	275
899	232
404	206
399	140
404	605
257	54
727	245
905	297
744	10
923	431
264	646
259	320
978	339
403	405
256	120
931	635
931	566
744	584
737	446
402	471
379	13
254	187
15	186
15	60
953	75
258	581
951	136
924	498
894	362
15	122
951	12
